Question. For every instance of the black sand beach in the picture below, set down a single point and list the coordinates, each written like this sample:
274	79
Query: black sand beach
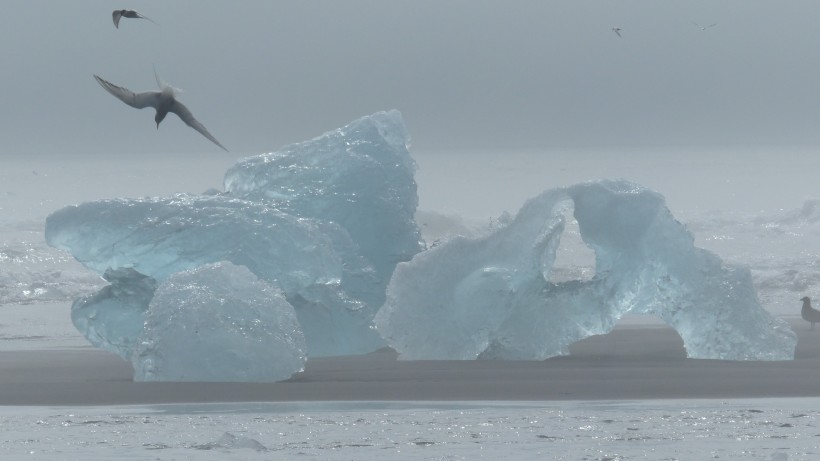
632	362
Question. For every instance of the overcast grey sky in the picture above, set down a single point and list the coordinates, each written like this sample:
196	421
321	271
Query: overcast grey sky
466	74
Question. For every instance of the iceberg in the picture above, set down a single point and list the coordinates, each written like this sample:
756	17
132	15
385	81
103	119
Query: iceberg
218	322
325	220
492	298
326	228
158	237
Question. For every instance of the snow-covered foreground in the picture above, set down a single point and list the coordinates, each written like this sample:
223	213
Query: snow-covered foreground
763	429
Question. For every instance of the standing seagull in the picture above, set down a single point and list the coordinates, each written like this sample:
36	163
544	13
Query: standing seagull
617	30
809	313
163	101
117	14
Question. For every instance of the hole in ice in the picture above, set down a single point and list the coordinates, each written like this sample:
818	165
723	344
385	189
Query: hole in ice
574	260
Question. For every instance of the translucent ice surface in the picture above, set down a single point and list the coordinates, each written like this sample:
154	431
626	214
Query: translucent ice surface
491	297
113	317
325	220
219	322
359	177
330	222
157	237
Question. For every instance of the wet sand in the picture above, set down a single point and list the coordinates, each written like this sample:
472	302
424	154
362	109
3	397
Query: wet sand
632	362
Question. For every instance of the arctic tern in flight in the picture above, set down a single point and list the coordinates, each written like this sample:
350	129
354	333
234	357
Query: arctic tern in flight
163	101
117	14
704	27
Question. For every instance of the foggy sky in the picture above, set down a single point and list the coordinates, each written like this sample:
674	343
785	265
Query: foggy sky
466	74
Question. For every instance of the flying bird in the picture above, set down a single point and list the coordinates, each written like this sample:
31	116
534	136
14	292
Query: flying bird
704	27
617	30
809	313
117	14
163	101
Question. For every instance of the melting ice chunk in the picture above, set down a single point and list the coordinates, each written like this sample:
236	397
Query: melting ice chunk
326	220
491	297
219	322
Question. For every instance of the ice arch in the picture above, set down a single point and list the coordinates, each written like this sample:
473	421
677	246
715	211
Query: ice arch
491	297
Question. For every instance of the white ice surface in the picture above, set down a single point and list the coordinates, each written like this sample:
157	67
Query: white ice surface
759	429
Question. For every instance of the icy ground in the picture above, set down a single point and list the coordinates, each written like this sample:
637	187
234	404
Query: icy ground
766	430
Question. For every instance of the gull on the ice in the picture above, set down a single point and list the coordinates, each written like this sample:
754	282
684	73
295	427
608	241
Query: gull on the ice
617	30
704	27
117	14
163	101
809	313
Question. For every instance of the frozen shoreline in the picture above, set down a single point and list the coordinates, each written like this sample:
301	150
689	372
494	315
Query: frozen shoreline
742	429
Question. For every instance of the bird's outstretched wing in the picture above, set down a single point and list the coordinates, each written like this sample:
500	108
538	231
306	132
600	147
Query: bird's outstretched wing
138	100
116	15
134	15
186	116
140	16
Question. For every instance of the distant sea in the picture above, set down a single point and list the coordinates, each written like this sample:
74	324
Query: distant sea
758	207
